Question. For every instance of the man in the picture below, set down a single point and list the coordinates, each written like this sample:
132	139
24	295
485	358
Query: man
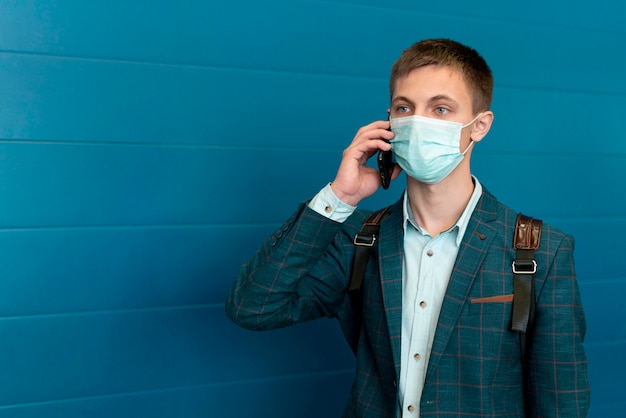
435	337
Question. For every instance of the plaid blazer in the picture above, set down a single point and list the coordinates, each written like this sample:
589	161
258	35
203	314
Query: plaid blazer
302	273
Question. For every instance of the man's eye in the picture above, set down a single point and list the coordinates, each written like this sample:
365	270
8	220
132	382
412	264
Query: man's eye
441	110
402	109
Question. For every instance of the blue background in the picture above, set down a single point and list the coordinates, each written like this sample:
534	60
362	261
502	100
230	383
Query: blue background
148	147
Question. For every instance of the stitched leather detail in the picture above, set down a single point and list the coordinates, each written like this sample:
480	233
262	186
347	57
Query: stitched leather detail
528	233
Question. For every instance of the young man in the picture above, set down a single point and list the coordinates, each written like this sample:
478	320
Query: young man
435	337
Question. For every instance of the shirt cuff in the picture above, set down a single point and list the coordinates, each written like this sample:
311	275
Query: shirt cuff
327	204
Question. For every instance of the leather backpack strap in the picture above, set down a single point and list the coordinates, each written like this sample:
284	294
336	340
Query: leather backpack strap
364	241
525	241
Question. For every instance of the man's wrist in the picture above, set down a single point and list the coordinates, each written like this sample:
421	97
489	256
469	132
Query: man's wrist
327	204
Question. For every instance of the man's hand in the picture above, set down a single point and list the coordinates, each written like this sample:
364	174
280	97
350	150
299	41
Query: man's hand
354	180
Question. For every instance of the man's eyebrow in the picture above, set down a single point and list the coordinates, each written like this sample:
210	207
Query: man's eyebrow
402	99
442	97
437	98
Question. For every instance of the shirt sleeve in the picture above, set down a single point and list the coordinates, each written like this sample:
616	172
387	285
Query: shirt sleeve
327	204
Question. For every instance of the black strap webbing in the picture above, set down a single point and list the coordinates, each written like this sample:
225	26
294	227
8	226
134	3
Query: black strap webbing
526	241
363	241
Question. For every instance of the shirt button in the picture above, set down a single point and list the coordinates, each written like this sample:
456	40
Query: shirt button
430	253
410	408
422	304
417	356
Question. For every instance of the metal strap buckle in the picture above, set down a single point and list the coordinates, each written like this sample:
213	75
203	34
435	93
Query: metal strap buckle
364	240
524	266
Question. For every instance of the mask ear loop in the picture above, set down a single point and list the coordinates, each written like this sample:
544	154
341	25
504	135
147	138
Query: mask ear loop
468	147
472	121
471	141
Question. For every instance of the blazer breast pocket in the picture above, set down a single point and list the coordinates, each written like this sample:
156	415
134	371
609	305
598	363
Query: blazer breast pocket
492	305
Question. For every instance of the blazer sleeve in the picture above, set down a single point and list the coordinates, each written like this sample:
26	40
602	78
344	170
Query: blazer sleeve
298	274
558	382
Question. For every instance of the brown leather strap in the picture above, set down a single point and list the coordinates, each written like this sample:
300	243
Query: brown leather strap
527	233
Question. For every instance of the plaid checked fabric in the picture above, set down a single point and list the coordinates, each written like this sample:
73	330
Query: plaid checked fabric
302	272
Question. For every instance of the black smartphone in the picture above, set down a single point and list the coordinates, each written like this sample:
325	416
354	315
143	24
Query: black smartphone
385	167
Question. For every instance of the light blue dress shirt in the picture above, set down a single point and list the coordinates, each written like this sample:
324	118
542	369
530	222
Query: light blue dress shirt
426	269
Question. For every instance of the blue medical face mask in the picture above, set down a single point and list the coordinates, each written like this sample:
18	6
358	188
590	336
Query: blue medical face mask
427	149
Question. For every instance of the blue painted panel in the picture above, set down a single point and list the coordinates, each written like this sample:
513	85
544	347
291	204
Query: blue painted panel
104	269
55	99
313	347
614	409
599	247
286	37
86	355
606	377
309	397
269	397
603	300
101	354
539	121
549	185
134	185
575	15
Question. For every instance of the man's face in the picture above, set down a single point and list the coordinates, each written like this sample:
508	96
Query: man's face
438	92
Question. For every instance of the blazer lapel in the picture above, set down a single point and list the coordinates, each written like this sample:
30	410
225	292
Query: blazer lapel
472	251
391	249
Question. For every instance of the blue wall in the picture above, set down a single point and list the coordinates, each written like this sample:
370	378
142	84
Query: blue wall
148	147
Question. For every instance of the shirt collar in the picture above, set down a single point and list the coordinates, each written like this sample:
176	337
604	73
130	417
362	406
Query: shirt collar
461	223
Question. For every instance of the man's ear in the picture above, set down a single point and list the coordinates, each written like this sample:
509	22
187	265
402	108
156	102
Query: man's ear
481	126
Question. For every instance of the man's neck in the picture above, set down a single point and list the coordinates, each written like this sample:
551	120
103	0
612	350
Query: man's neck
437	207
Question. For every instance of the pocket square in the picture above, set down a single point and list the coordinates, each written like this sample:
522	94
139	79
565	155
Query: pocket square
494	299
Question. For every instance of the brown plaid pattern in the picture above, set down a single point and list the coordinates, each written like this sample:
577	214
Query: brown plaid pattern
301	273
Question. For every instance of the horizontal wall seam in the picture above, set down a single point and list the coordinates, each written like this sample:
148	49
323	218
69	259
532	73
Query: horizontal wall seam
209	67
177	389
607	343
586	219
50	315
189	145
479	18
177	145
278	71
60	228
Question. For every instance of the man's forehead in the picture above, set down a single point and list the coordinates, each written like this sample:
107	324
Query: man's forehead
432	82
